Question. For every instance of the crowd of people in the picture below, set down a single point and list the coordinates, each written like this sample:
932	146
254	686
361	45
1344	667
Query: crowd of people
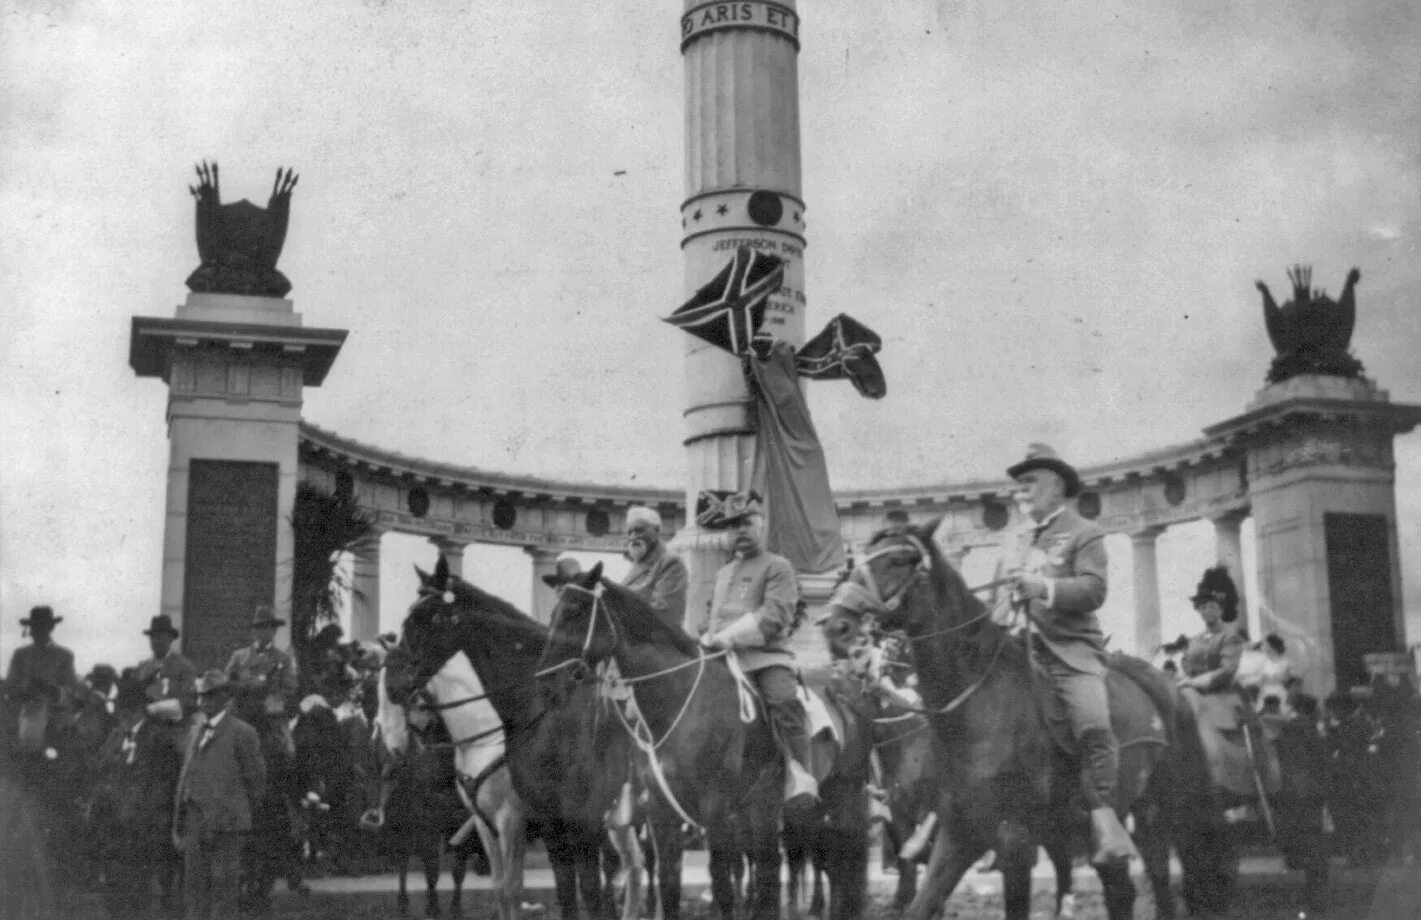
228	729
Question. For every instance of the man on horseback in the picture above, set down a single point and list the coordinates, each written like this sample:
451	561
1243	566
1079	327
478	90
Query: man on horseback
169	680
657	575
41	680
264	680
752	612
1058	572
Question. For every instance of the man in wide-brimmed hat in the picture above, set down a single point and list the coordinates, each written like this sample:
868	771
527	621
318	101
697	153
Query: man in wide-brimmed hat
168	679
221	783
264	679
657	576
752	612
41	671
1058	570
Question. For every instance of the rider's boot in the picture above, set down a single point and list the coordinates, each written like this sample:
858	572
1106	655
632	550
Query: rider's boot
1100	763
801	789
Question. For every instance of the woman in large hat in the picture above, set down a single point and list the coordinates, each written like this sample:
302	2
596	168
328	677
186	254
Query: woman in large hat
1211	658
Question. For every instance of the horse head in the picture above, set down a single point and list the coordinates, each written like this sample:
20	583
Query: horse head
433	631
900	569
581	632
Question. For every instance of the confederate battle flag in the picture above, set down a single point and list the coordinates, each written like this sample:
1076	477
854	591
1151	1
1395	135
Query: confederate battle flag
844	350
728	311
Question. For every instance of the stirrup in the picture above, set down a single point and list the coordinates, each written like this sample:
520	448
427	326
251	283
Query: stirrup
801	789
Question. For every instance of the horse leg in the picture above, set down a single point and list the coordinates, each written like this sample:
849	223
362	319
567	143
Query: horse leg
722	884
623	839
797	859
653	887
560	856
907	882
429	856
1153	841
1016	886
949	862
669	848
512	826
458	867
402	866
587	852
765	865
1118	890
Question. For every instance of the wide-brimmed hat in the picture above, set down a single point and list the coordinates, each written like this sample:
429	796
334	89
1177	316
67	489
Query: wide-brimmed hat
212	682
1219	587
1042	457
41	616
721	510
162	623
262	616
566	568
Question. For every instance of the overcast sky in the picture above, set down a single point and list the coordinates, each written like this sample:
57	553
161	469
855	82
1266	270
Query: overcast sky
1053	213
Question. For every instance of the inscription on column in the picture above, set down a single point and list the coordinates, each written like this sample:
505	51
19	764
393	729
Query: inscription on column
1359	582
230	557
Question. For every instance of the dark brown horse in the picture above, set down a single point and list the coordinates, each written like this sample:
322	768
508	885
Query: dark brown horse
569	759
1007	784
713	767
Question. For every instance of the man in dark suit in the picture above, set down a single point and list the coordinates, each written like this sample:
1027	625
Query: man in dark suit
1058	568
222	780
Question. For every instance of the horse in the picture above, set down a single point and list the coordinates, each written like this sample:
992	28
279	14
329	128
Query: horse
1007	783
709	765
420	807
569	761
833	836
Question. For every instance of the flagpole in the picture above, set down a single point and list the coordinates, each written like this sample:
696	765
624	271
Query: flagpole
743	188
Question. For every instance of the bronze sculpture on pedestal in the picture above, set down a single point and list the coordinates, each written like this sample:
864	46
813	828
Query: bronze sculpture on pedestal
239	243
1311	333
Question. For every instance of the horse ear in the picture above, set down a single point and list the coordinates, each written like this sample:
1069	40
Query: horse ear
423	576
441	571
593	577
928	531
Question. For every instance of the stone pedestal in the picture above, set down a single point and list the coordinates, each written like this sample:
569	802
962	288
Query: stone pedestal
1321	488
742	189
235	368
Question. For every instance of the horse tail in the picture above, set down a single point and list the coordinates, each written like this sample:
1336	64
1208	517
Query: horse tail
1186	791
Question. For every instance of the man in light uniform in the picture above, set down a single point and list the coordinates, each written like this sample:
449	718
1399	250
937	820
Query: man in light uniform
657	575
751	613
1058	570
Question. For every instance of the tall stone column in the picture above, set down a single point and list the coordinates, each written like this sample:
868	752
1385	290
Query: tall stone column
236	369
453	553
1228	551
742	189
1145	565
365	588
545	562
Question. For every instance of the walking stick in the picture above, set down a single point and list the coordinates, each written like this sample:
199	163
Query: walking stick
1258	782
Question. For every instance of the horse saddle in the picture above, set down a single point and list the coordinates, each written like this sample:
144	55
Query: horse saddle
1120	682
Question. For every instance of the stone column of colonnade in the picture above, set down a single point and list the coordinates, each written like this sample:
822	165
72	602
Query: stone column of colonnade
453	553
1228	551
742	189
365	588
544	598
1145	570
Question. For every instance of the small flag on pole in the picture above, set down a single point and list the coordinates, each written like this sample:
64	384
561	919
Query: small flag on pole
728	311
844	350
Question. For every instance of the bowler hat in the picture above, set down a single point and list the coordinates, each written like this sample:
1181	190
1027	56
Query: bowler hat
213	681
1042	457
162	623
262	616
41	616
